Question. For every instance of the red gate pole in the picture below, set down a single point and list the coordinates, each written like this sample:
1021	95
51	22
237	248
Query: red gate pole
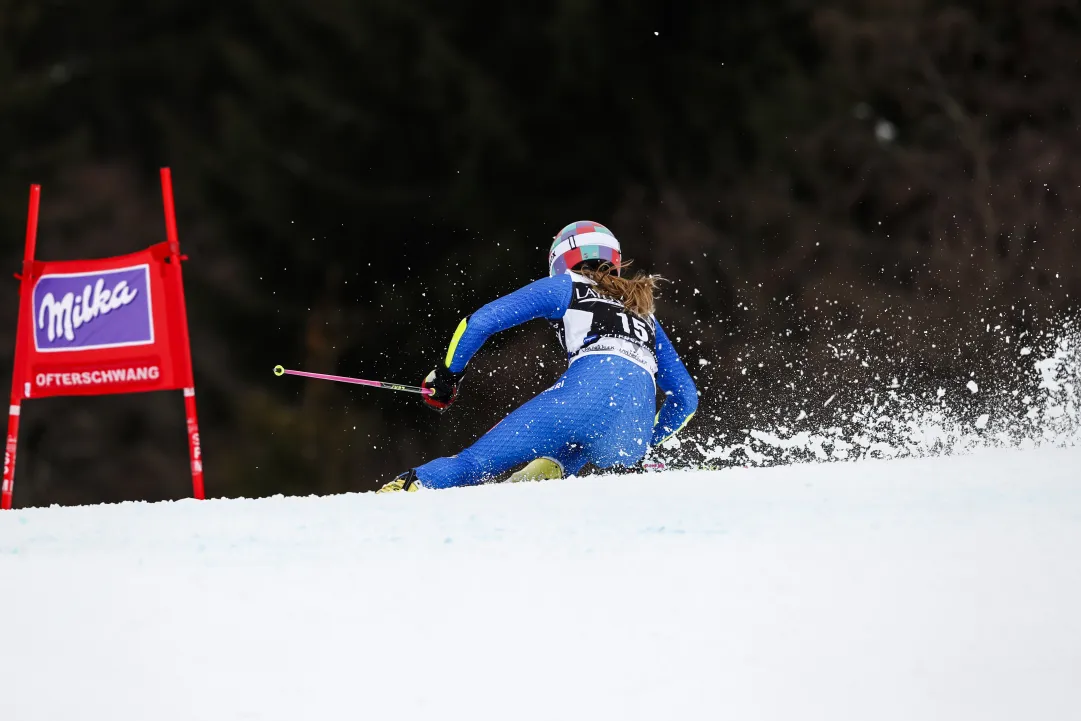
7	489
194	448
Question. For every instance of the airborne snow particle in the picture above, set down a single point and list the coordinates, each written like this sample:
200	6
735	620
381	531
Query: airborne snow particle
981	422
971	385
885	131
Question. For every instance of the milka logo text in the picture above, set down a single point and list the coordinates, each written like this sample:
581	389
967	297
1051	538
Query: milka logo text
63	317
95	310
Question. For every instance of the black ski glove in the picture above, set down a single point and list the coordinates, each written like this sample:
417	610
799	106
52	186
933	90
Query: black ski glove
445	384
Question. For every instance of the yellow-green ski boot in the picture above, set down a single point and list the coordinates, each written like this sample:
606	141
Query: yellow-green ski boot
405	482
540	469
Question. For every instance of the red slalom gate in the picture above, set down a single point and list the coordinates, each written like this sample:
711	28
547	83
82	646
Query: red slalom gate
98	327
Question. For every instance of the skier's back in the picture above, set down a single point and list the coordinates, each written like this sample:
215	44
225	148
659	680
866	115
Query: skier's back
601	411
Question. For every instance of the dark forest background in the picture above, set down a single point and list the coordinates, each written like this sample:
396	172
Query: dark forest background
354	177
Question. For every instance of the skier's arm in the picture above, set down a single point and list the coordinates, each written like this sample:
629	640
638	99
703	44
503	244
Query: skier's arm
544	298
681	396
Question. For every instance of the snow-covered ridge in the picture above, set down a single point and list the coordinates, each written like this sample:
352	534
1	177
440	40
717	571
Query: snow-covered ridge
943	588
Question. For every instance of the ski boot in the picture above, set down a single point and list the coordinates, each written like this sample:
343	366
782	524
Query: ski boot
539	469
405	482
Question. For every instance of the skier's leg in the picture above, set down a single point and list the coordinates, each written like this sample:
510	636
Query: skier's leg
628	431
622	447
543	426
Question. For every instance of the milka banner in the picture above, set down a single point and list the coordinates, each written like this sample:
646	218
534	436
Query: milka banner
95	327
105	326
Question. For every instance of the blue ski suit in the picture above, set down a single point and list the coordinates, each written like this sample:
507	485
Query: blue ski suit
601	411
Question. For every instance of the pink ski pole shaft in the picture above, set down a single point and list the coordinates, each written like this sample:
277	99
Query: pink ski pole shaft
280	371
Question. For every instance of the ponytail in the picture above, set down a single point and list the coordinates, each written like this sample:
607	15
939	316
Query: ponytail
636	294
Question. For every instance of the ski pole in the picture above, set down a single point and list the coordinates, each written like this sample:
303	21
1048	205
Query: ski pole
280	371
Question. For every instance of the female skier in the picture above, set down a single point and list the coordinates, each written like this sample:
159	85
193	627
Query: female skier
601	410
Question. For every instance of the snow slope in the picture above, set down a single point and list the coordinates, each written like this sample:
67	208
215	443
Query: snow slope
892	589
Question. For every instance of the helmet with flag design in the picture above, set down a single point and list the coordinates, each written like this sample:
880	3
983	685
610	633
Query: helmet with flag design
582	241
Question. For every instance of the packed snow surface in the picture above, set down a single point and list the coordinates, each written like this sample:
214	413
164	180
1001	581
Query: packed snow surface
918	588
